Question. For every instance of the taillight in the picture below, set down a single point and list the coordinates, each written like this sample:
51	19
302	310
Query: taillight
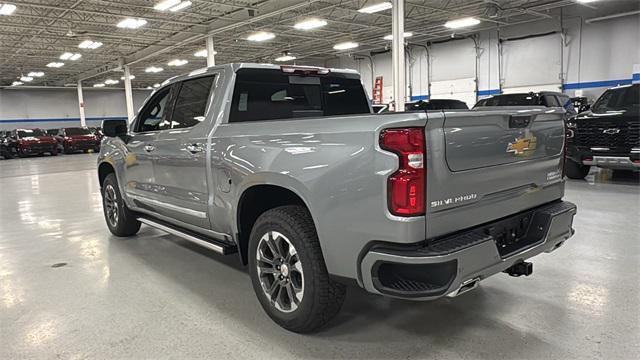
406	187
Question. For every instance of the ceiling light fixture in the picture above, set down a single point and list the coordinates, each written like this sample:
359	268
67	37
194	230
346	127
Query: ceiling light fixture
130	23
7	9
376	8
17	83
166	4
261	36
131	77
111	82
182	5
70	56
89	44
99	85
406	35
285	57
156	85
177	62
346	45
153	69
586	1
203	53
462	23
55	65
35	74
26	78
310	24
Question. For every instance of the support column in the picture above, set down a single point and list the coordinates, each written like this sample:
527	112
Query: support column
128	94
397	54
83	119
211	53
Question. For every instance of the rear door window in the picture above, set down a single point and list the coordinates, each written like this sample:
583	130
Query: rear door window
261	94
191	103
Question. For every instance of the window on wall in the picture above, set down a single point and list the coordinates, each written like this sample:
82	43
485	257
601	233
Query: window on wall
191	103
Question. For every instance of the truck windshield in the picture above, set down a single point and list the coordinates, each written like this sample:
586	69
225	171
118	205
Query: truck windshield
261	94
31	133
622	98
77	131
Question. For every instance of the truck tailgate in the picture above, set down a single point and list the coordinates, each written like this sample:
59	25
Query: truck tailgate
486	165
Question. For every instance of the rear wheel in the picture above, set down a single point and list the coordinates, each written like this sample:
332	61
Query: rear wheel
575	170
288	271
120	220
54	152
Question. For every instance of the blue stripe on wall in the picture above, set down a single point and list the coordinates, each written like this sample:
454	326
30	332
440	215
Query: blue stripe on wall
489	92
596	84
419	97
5	121
636	77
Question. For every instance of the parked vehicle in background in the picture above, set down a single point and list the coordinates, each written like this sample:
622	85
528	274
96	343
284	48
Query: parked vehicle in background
287	166
544	98
436	104
52	132
97	131
26	142
6	150
608	135
581	103
74	139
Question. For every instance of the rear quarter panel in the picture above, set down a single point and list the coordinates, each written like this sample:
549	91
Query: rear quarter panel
333	164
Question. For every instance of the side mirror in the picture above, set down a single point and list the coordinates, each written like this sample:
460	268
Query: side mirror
114	128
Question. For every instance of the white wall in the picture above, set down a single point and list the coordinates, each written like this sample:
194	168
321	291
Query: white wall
52	108
594	57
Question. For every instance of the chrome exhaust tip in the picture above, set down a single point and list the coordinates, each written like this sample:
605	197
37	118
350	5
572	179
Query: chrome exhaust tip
467	285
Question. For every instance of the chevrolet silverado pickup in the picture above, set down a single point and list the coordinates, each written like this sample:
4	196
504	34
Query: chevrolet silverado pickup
288	167
607	135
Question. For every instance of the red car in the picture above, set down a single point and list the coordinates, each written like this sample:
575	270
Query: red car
32	142
75	139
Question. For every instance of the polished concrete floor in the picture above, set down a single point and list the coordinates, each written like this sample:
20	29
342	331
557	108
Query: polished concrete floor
69	290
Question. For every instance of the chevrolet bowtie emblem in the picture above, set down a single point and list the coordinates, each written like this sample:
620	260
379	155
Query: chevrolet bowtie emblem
522	145
611	131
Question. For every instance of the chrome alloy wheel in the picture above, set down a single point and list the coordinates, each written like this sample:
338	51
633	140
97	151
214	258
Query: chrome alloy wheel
280	271
111	205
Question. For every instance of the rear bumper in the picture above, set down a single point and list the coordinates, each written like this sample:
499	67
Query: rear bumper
432	269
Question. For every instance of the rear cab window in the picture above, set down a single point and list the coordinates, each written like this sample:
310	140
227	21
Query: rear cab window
266	94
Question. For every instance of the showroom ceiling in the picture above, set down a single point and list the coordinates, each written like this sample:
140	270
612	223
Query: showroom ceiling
38	32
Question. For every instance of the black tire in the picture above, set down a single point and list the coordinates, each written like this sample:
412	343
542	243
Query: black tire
576	171
54	152
124	223
321	297
66	150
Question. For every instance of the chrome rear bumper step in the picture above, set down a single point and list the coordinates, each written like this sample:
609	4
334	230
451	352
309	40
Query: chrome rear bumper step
211	244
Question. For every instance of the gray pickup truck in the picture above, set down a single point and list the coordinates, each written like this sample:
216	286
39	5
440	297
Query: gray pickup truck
288	167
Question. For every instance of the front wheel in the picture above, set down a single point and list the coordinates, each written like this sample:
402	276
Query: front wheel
120	220
575	170
288	271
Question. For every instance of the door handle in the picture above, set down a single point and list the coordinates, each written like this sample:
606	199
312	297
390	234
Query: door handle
195	148
149	148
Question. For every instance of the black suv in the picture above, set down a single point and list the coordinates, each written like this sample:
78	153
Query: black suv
543	98
436	104
606	136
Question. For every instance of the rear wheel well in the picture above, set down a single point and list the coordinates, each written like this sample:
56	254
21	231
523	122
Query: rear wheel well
253	203
104	169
